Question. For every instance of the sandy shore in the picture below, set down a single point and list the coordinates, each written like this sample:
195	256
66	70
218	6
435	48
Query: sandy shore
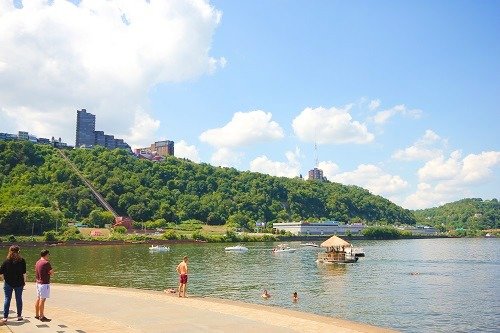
85	309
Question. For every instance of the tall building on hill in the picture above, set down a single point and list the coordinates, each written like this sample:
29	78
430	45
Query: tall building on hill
85	128
110	141
100	138
316	174
86	135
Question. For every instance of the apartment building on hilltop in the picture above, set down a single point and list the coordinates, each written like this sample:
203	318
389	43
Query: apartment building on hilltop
25	136
85	128
156	151
87	136
316	174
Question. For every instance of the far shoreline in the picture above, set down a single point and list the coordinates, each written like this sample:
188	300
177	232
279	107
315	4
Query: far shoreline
101	242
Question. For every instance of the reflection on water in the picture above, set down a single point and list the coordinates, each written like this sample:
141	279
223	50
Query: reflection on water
455	288
329	269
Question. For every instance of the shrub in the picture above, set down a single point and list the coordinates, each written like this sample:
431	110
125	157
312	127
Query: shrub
71	234
269	238
382	232
116	236
50	236
198	235
231	236
190	225
160	223
120	230
137	237
11	239
170	234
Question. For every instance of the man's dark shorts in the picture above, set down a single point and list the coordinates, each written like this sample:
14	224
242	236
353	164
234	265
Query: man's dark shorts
183	279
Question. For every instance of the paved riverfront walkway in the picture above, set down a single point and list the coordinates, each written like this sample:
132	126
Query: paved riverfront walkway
93	309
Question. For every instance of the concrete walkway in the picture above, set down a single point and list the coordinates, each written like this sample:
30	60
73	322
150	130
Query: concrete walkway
89	309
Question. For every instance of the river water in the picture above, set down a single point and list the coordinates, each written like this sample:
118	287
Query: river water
420	285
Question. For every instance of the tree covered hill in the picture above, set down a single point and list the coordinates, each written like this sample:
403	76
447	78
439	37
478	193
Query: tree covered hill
176	190
475	214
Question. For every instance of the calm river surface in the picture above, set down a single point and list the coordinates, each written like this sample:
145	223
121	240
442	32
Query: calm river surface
456	289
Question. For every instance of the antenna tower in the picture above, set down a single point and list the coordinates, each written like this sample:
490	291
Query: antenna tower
316	155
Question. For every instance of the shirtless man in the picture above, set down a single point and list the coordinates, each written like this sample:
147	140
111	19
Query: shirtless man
182	269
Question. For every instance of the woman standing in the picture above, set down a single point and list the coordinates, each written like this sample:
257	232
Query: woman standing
13	271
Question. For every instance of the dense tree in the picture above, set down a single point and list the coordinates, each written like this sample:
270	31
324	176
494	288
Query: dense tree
476	214
176	190
28	220
99	218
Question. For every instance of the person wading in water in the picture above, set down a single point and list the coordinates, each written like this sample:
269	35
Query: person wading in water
182	269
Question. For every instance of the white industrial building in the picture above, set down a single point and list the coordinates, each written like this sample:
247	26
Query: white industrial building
319	228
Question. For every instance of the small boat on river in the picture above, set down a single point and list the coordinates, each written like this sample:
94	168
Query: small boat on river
309	245
237	249
339	251
158	248
283	248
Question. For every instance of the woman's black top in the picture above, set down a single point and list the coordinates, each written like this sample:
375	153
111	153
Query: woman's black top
13	272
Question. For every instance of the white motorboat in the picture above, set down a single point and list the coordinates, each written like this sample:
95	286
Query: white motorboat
309	245
357	252
237	248
283	248
159	248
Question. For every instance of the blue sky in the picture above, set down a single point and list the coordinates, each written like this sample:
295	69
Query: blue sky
400	97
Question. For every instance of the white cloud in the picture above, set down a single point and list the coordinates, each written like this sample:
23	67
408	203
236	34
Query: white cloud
372	178
429	138
445	180
226	157
382	116
329	168
245	128
374	104
184	150
440	169
477	168
332	125
423	149
426	196
57	57
290	168
143	129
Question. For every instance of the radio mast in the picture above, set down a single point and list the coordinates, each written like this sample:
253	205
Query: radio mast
316	163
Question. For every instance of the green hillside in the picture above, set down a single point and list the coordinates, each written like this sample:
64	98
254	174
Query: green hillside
175	190
475	214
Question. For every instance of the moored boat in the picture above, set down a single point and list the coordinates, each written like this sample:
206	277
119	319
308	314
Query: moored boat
339	251
159	248
237	248
283	248
357	252
309	245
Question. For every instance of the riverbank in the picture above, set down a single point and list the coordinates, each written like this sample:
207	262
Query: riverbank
102	242
26	241
82	308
